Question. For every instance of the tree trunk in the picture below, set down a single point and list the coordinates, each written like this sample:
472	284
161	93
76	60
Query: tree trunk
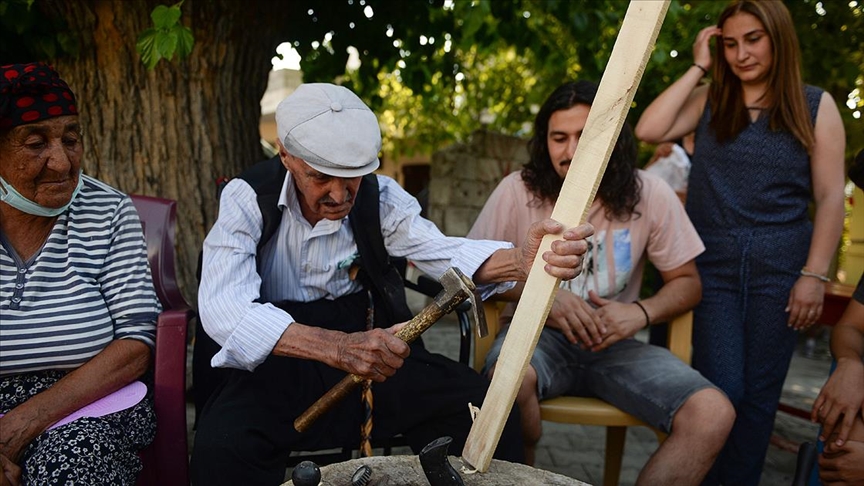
172	131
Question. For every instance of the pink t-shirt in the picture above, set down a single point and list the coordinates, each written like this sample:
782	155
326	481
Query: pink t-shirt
616	256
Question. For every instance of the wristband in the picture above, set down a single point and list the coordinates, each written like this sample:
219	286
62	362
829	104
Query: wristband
705	71
808	273
647	319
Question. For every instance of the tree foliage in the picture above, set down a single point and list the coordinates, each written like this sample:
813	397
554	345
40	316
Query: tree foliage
438	69
434	70
493	62
167	36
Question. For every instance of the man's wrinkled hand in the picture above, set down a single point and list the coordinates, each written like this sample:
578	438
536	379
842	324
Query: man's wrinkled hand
374	355
565	259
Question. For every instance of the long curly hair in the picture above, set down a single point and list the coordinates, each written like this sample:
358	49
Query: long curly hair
620	188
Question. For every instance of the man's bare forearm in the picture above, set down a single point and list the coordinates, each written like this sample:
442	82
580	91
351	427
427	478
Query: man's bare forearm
308	342
502	266
676	297
847	343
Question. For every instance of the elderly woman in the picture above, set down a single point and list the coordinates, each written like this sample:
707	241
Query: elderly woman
77	305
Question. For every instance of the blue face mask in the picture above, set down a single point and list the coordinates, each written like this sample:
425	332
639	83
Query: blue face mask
10	196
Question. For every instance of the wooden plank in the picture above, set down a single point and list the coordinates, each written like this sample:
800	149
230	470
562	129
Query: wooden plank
615	94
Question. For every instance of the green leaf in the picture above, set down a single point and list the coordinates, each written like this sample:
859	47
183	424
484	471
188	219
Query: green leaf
46	45
146	47
185	40
166	44
165	17
473	21
167	37
68	43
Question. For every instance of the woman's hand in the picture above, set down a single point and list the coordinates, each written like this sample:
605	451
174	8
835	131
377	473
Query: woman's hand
805	303
120	363
15	435
702	46
10	473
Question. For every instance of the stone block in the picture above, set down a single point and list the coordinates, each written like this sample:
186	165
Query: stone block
406	471
493	170
437	215
440	192
459	221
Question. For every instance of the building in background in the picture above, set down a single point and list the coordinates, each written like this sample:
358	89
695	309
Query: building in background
280	84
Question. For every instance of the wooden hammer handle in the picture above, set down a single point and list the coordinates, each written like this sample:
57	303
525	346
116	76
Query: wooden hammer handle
422	321
326	402
410	332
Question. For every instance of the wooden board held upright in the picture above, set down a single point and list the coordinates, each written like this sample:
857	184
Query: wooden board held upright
615	94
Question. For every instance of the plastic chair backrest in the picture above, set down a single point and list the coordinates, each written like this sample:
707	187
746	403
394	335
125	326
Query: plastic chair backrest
158	217
166	459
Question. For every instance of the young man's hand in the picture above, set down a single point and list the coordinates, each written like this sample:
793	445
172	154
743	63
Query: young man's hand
576	319
840	401
844	467
621	320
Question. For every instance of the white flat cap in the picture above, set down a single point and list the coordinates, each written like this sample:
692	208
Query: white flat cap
331	129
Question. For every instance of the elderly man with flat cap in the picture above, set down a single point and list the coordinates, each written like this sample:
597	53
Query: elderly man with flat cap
278	296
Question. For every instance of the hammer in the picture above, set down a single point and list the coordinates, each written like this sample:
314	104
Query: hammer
457	288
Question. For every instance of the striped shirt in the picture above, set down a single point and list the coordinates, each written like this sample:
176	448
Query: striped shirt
88	285
301	263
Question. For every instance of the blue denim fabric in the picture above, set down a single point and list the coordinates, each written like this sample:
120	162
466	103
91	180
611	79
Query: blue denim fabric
740	338
646	381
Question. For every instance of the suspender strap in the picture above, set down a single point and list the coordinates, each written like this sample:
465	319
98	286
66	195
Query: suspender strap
378	274
266	178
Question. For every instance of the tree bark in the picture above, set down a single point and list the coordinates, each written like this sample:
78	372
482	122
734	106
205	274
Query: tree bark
172	131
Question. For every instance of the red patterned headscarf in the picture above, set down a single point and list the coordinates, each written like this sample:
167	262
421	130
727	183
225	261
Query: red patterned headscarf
32	92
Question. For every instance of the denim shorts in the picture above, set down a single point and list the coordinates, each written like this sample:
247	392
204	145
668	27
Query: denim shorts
645	381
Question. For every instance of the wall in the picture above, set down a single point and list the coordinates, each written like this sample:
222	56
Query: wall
464	174
280	84
852	268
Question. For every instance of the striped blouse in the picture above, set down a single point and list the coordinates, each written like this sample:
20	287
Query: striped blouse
88	285
301	263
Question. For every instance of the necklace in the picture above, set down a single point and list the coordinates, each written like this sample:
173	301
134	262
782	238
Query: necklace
759	108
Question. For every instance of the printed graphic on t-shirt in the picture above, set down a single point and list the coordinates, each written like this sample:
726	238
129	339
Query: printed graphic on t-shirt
607	278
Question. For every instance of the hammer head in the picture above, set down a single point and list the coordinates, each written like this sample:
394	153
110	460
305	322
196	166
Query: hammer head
458	288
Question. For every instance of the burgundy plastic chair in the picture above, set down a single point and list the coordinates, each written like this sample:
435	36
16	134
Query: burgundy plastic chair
166	459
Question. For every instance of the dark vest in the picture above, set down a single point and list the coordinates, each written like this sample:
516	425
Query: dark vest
379	272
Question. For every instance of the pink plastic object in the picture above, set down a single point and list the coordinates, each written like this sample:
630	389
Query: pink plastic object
121	399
